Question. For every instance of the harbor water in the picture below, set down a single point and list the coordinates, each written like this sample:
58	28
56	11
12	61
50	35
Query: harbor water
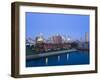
68	58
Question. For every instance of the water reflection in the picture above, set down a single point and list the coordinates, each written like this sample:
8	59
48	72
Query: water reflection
72	58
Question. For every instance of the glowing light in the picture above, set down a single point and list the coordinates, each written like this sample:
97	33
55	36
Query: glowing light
68	39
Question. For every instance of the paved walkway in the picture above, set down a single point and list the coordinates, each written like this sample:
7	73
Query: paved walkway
34	56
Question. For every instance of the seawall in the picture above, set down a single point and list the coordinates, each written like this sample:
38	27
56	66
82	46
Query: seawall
34	56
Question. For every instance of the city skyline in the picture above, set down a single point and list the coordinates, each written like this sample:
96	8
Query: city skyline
71	25
55	39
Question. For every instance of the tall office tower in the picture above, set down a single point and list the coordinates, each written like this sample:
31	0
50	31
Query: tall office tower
86	37
63	39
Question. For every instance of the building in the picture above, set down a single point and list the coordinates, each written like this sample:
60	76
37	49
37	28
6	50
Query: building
45	47
84	44
86	37
39	39
57	39
30	42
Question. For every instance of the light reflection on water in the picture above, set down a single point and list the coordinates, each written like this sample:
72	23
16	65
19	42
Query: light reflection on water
71	58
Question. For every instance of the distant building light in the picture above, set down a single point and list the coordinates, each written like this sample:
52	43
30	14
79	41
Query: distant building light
68	39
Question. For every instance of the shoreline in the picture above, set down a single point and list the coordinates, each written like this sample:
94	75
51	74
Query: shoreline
35	56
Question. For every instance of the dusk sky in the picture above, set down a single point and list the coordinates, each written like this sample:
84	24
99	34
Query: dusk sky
49	24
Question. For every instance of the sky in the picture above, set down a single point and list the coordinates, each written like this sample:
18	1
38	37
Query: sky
50	24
